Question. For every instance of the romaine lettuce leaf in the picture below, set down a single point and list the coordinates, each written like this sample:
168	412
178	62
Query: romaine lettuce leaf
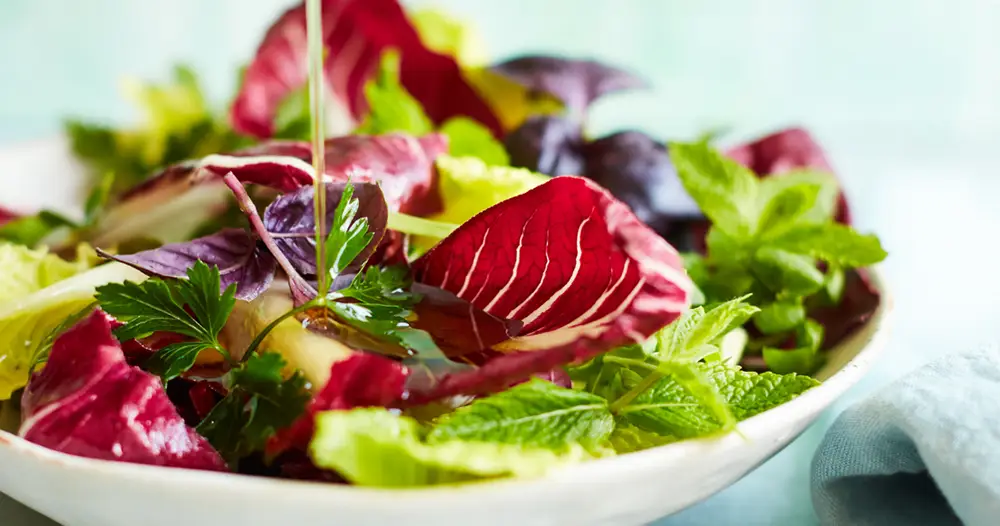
374	447
50	292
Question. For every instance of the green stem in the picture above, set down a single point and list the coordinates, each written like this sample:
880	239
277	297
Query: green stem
639	388
629	361
419	226
252	348
314	40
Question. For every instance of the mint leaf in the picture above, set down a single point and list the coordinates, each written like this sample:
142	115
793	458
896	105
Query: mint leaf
780	316
696	333
533	414
804	358
725	190
783	271
348	237
391	107
468	138
671	408
833	243
261	401
627	438
374	447
784	209
823	206
159	305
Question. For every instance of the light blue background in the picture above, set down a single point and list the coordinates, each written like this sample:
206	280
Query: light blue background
904	95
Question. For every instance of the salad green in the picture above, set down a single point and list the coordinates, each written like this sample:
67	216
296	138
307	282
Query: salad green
453	283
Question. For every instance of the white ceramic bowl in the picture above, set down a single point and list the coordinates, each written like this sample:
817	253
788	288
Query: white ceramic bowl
629	489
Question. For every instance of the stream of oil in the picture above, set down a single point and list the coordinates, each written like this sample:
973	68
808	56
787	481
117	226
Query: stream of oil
314	37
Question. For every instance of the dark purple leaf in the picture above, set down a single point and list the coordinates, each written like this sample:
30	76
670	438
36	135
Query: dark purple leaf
577	83
547	144
89	402
291	221
637	170
570	262
355	34
234	251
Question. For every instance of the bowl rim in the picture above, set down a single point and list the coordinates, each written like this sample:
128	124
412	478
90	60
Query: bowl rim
871	338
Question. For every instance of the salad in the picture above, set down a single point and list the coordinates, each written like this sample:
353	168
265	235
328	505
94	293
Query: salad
471	287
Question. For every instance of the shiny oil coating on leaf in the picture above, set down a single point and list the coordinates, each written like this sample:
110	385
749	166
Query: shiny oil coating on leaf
534	414
89	402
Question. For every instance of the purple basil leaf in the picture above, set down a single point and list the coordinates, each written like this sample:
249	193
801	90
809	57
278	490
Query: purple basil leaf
291	222
577	83
638	171
240	260
547	144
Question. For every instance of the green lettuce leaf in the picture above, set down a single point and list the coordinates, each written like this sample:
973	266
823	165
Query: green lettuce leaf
469	186
28	317
26	271
392	108
374	447
534	414
468	138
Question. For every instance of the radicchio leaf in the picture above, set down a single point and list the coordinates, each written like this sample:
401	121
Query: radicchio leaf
859	302
548	144
89	402
234	251
6	215
291	221
362	380
355	33
570	262
577	83
402	164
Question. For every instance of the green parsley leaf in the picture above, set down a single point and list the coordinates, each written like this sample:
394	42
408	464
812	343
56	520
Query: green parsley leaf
349	234
384	291
159	305
374	447
671	408
833	243
534	414
468	138
392	108
725	190
261	401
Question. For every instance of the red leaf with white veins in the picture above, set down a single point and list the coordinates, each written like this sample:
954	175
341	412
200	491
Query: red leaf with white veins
89	402
355	33
570	262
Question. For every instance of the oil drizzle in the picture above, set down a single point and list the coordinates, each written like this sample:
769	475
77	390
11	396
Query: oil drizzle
314	38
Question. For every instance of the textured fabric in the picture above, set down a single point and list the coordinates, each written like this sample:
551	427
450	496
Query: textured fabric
925	450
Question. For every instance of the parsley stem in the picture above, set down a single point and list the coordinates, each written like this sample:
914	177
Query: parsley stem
259	339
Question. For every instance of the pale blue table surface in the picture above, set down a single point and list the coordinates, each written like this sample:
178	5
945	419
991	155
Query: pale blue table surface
904	95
